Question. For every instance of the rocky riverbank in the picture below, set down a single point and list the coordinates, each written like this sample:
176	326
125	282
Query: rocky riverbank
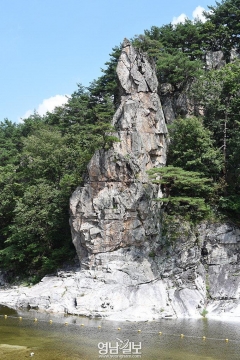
134	265
199	275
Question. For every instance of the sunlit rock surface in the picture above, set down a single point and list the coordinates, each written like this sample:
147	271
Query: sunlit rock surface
197	274
130	268
115	208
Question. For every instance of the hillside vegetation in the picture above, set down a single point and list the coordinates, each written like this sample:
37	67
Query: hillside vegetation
44	158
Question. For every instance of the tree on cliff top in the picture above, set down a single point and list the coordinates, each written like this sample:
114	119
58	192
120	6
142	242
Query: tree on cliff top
225	17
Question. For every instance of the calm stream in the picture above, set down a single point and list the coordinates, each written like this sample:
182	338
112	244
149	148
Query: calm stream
49	338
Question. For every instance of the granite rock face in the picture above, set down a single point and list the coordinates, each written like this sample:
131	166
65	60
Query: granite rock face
214	60
136	265
193	270
115	208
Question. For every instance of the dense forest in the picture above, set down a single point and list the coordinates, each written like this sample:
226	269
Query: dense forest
43	159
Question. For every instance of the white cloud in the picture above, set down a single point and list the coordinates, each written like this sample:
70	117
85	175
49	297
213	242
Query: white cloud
47	105
180	19
197	13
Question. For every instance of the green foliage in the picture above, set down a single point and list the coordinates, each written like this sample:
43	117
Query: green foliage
185	192
225	17
172	52
204	313
230	205
218	93
192	147
82	109
44	161
175	48
153	47
177	69
10	143
107	84
152	254
35	231
9	190
185	37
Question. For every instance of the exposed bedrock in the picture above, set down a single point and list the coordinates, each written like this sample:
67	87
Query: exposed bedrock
191	272
115	207
134	264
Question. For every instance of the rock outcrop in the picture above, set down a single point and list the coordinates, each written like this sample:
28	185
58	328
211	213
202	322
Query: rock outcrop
136	265
175	102
115	208
194	271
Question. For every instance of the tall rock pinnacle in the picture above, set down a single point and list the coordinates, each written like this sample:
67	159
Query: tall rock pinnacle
115	208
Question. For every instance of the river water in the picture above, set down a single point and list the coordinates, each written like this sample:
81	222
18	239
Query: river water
75	338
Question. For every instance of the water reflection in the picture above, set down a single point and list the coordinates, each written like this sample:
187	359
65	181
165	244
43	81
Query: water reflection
57	341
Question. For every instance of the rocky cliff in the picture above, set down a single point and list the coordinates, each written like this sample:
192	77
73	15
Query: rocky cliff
115	208
136	265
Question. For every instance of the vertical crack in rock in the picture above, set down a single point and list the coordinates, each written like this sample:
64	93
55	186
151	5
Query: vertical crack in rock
115	207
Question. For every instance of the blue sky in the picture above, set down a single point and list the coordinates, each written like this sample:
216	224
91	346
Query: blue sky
48	46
